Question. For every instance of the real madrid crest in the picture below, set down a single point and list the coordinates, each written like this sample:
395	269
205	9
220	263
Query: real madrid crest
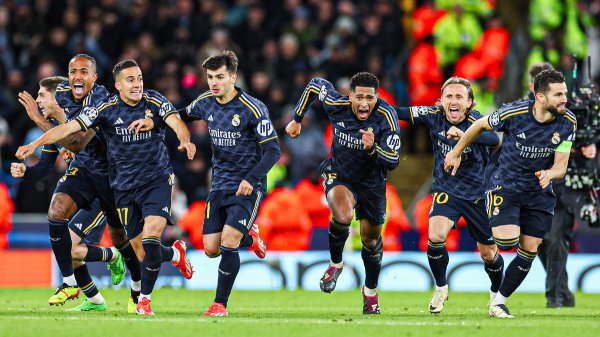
235	121
555	138
148	113
370	129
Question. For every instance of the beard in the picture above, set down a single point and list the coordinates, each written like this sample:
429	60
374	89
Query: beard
554	111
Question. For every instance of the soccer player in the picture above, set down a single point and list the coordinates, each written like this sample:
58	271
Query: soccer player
460	195
87	226
245	148
140	175
366	144
538	136
85	180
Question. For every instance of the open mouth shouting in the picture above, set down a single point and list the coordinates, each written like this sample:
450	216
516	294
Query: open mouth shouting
453	111
362	113
78	89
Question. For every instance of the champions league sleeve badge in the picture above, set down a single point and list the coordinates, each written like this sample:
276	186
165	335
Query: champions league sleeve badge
90	112
494	118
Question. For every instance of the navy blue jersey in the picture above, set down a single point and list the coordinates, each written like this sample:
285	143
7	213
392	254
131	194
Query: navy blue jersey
468	183
134	159
93	156
348	158
238	129
528	146
43	167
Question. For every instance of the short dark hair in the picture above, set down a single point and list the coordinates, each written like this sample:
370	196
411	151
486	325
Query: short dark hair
51	83
123	65
364	79
537	68
542	81
225	58
84	56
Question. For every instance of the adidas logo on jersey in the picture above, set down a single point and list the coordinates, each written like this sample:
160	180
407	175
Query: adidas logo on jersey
522	135
210	118
79	225
119	121
341	124
166	209
243	222
442	133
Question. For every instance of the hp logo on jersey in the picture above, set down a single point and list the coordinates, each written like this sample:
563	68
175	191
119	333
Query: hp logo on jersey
264	128
165	108
393	142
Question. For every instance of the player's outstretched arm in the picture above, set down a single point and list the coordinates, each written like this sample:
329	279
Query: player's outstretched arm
183	134
41	169
452	159
50	137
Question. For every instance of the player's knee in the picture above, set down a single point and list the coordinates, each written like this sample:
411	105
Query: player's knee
57	211
78	252
506	244
487	254
212	253
61	207
370	243
344	217
373	245
230	241
437	236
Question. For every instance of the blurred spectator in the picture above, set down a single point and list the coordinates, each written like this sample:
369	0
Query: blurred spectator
219	41
5	140
455	35
6	210
250	36
289	230
307	152
6	53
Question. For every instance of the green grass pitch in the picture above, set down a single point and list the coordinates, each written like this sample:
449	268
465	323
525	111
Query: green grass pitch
24	313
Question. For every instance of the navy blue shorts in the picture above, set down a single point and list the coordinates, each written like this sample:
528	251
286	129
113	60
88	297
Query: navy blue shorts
226	208
474	213
89	224
370	202
84	187
533	212
153	198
